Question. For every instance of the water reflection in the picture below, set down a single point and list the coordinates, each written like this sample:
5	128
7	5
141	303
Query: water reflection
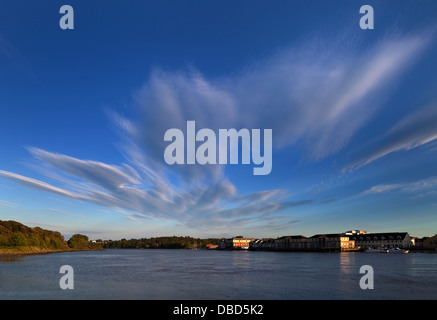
348	273
9	258
347	260
240	258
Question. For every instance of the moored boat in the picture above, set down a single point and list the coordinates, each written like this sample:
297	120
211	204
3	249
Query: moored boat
397	250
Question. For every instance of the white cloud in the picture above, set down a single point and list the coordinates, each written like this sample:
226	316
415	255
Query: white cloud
7	204
323	100
40	185
106	176
56	211
131	218
310	97
65	213
408	187
416	129
381	188
316	95
201	206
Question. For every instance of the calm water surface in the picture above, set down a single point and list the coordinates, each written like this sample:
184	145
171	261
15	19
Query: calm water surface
202	274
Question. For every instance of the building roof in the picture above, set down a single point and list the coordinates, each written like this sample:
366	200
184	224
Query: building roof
328	235
380	236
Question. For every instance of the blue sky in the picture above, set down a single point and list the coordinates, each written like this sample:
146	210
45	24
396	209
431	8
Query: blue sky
353	114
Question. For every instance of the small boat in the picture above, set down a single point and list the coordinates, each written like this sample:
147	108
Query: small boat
397	250
377	250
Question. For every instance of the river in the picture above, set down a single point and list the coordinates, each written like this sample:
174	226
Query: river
166	274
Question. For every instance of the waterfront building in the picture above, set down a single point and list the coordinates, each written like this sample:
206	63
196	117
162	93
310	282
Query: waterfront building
262	244
268	243
238	242
337	241
291	243
241	243
430	243
255	244
418	242
221	244
348	241
387	239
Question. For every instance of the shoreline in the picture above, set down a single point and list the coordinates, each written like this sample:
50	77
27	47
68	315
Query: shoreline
5	253
18	253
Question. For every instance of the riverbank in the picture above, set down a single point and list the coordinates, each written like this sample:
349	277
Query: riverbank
23	251
17	239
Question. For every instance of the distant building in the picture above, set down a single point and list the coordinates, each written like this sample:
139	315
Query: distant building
348	241
238	242
241	243
336	241
221	244
263	244
291	243
387	239
418	242
430	243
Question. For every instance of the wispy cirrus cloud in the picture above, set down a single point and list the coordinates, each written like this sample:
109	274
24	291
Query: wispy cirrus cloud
63	212
8	204
39	185
408	187
415	130
313	97
316	95
56	211
107	176
206	207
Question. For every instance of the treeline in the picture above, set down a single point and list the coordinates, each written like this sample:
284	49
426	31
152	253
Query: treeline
16	236
81	242
172	242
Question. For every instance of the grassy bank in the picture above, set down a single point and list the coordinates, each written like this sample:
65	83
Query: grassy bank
29	250
25	250
18	239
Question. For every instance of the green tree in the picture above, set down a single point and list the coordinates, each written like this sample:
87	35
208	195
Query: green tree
18	239
42	243
33	241
78	241
56	243
4	240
